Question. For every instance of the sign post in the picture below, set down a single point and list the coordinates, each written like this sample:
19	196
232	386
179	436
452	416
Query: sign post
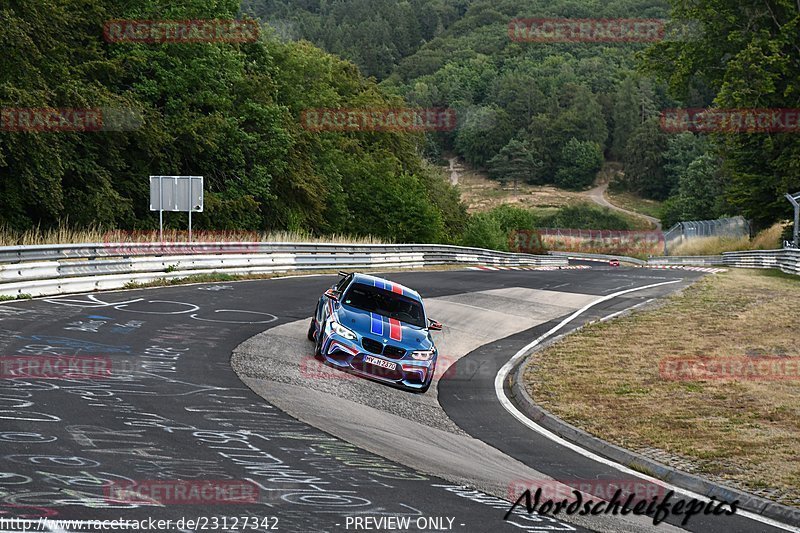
176	193
793	198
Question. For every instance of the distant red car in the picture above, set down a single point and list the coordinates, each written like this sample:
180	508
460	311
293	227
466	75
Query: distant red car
614	263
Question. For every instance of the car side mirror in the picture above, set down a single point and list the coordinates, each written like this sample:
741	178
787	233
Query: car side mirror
333	295
434	326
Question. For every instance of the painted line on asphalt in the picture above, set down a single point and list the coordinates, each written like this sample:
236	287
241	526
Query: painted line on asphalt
631	308
516	413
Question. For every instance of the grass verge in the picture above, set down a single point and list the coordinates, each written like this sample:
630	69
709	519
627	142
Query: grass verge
631	202
5	298
212	277
607	380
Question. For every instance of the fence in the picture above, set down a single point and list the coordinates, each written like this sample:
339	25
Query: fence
69	268
693	229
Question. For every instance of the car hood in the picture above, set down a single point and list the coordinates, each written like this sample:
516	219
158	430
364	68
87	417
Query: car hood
371	325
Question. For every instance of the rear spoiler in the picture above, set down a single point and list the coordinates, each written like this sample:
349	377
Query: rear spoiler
343	273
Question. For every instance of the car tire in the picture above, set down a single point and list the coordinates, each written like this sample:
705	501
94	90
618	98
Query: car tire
318	347
312	329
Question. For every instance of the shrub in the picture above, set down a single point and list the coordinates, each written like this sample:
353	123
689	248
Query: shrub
585	216
483	230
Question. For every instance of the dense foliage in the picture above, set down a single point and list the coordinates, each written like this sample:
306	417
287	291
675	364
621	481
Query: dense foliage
527	112
374	34
745	54
524	107
229	112
494	228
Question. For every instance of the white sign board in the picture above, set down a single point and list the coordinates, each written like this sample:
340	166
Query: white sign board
176	193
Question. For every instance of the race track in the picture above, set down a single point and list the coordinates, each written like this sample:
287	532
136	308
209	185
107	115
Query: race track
319	450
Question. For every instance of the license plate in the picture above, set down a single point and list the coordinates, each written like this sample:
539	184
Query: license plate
380	362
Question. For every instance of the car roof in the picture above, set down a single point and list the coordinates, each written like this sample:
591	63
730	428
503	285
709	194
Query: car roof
375	281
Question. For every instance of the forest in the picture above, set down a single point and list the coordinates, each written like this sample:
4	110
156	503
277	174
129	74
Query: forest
554	112
544	113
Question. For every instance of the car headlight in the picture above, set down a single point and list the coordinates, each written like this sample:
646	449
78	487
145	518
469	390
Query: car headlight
342	331
423	355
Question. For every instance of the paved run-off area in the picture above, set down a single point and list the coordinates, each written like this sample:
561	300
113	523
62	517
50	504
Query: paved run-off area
413	429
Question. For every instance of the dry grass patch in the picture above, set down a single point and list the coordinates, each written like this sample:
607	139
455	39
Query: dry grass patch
480	193
66	235
710	246
606	380
768	239
632	202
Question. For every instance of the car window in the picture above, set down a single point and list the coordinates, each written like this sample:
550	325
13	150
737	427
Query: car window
385	303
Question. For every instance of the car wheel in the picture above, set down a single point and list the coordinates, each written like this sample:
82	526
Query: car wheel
312	329
318	347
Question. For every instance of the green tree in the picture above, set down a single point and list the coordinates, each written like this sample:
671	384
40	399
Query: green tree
575	115
682	150
745	57
484	231
700	193
644	161
633	105
230	112
580	162
517	161
482	133
585	216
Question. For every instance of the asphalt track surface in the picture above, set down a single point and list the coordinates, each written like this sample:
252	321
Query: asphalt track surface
173	409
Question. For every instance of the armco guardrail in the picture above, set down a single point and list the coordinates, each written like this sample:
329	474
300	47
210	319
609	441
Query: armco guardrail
687	260
60	269
788	259
598	257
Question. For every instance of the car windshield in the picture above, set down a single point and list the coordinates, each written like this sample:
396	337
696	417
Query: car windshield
385	303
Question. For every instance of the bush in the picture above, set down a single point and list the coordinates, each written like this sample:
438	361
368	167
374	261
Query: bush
512	218
585	216
484	231
580	162
496	228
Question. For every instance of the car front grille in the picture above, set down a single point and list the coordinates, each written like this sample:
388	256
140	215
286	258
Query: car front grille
393	351
372	345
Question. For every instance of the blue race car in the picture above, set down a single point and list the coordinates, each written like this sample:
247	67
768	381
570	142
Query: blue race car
375	328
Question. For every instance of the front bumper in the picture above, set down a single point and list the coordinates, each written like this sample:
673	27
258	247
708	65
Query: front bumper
348	355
